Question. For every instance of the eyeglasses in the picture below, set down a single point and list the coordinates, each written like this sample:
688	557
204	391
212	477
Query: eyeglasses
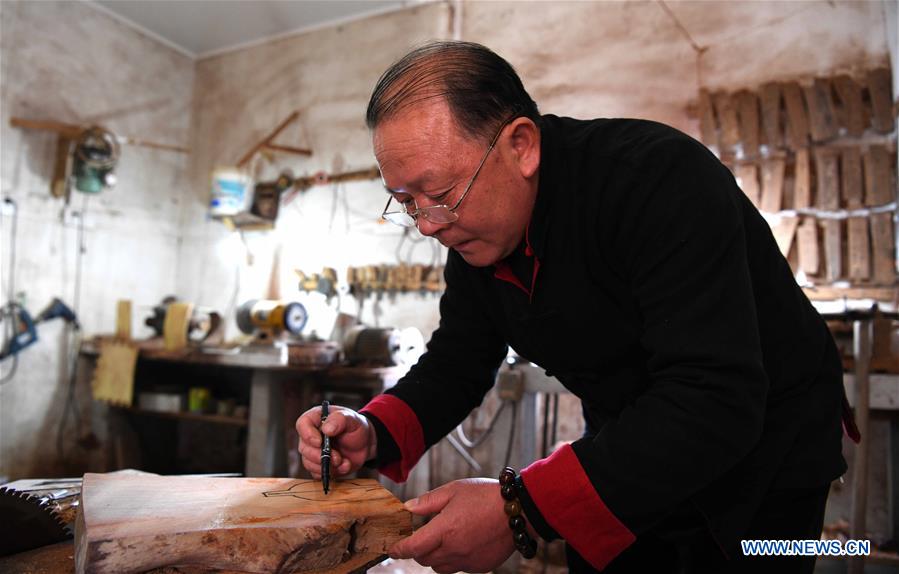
440	214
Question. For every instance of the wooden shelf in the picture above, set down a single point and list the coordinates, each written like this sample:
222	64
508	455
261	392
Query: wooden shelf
216	419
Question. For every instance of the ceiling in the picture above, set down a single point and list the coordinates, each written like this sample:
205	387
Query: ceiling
200	28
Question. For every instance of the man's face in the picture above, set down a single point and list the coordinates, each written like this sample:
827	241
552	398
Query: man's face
425	159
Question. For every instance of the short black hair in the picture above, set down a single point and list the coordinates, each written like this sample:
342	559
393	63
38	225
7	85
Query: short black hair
482	89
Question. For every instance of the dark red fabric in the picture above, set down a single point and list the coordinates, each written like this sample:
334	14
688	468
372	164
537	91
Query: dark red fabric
504	272
405	429
569	503
849	421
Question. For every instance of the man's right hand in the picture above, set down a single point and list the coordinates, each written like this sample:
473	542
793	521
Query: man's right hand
353	440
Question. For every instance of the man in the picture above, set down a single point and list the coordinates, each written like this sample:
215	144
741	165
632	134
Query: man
621	256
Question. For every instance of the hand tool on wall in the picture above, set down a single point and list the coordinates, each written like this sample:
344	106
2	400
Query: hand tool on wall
25	327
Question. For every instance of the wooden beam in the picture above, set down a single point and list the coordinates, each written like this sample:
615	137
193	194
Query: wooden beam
828	293
819	100
707	128
883	248
877	176
833	249
748	175
135	523
727	118
807	236
859	249
828	181
772	185
797	117
802	188
881	93
784	232
748	114
771	123
288	149
850	93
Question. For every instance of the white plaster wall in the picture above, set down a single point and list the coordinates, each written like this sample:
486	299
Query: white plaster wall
66	61
240	97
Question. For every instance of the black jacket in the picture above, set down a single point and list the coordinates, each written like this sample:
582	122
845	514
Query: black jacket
651	287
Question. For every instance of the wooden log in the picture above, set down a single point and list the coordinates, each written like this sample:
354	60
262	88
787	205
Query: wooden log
748	115
807	236
853	116
859	249
748	176
802	189
797	117
819	100
827	169
881	93
851	173
135	523
883	248
833	249
771	124
727	119
772	185
707	127
878	176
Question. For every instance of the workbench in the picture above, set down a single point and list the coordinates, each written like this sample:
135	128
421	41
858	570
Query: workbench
277	393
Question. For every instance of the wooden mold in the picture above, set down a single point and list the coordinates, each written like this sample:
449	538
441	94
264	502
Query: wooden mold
136	523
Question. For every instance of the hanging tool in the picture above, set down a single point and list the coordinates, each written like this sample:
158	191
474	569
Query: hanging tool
95	155
25	328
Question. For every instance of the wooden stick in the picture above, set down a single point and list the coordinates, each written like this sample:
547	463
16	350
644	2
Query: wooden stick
288	149
267	139
72	131
748	113
850	93
727	116
772	185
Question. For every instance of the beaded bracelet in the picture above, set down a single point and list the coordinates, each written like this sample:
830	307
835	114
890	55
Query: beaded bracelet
509	489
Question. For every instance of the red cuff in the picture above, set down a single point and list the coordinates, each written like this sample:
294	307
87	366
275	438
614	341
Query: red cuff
403	426
569	503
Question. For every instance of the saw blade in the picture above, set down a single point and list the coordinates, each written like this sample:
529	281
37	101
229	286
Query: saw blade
28	522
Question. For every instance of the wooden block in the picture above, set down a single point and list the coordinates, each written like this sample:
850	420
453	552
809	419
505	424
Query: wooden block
877	176
748	115
881	94
123	320
113	380
707	127
59	184
859	249
748	176
784	232
853	115
802	190
174	328
819	101
772	185
883	248
828	181
833	249
771	124
807	236
135	523
797	117
851	172
727	118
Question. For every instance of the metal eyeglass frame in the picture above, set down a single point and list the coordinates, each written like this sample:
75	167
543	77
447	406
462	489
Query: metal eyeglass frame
406	218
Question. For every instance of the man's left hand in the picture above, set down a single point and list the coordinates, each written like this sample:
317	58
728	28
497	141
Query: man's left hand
470	532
